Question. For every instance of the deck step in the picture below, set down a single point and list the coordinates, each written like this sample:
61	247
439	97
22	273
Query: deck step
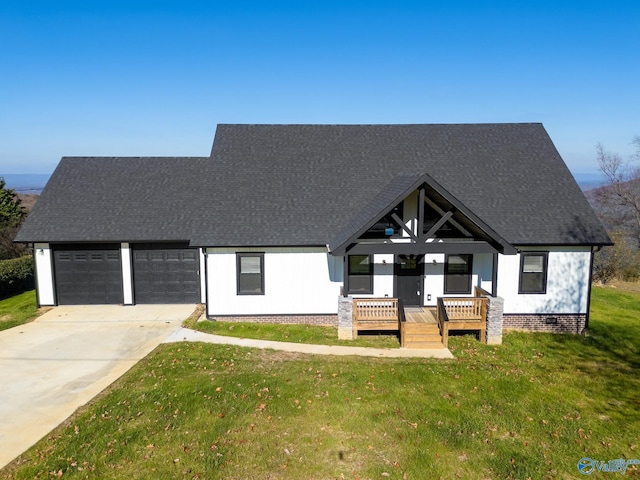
421	328
424	345
422	337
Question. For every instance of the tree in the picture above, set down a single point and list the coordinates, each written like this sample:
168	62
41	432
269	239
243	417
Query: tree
11	217
621	196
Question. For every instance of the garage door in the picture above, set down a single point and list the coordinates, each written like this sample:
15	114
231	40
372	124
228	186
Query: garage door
88	275
166	273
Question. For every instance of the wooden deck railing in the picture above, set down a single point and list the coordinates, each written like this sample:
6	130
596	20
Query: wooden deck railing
462	313
375	314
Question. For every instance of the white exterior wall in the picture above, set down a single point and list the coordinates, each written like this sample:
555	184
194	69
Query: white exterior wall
203	281
568	276
482	272
127	273
44	274
296	281
434	276
410	213
382	276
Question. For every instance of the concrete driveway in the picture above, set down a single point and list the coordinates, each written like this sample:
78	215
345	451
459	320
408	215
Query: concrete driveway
50	367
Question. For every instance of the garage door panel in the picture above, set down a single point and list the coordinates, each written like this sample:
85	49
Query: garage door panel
166	274
88	274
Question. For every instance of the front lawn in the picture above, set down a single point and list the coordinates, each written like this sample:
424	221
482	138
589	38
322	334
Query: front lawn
531	408
317	335
17	310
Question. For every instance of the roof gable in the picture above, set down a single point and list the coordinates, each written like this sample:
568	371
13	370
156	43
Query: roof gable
397	190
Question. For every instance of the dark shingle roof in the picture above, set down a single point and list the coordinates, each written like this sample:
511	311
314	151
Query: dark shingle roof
117	199
270	185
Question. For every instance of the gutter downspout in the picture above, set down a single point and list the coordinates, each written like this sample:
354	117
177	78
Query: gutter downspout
206	282
494	276
586	322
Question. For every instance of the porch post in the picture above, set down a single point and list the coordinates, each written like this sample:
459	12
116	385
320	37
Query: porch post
494	276
345	275
495	308
345	317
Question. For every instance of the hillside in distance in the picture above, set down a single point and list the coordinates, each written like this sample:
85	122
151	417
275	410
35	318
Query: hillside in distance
28	200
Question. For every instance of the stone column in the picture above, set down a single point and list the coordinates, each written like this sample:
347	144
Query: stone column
345	318
495	308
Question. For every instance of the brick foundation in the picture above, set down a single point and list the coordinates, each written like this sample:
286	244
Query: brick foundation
328	320
566	323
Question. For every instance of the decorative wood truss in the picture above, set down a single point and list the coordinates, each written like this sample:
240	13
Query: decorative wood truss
442	224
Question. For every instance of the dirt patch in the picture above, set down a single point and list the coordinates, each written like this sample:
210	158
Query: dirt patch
624	286
197	315
271	357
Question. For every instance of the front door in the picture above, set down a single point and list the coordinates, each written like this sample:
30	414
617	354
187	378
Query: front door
409	277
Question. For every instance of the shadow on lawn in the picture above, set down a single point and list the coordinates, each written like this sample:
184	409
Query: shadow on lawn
606	361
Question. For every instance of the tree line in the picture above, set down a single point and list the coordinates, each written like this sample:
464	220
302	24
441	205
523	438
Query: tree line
12	215
617	204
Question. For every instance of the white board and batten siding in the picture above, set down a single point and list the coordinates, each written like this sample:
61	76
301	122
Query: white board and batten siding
568	276
44	274
297	281
127	273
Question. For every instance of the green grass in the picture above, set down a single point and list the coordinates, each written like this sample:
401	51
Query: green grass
313	334
17	310
530	408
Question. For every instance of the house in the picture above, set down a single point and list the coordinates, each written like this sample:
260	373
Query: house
286	223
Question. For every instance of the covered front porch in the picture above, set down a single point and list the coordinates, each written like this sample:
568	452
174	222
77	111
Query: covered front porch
419	262
421	326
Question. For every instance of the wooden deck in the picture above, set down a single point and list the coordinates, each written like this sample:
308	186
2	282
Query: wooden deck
420	315
420	327
462	313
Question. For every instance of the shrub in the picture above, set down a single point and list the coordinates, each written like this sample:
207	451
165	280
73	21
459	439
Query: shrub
16	276
619	261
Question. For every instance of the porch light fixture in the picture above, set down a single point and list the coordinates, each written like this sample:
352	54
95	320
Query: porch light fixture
41	251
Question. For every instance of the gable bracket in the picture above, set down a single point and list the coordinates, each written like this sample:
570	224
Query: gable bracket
403	226
436	227
453	222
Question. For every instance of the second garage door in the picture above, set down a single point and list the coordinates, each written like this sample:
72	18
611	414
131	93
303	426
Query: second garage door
166	273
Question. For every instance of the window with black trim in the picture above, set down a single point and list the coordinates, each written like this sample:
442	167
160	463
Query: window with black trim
457	273
360	271
533	272
250	273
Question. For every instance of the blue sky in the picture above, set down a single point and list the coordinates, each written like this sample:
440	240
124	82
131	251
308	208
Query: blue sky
144	78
